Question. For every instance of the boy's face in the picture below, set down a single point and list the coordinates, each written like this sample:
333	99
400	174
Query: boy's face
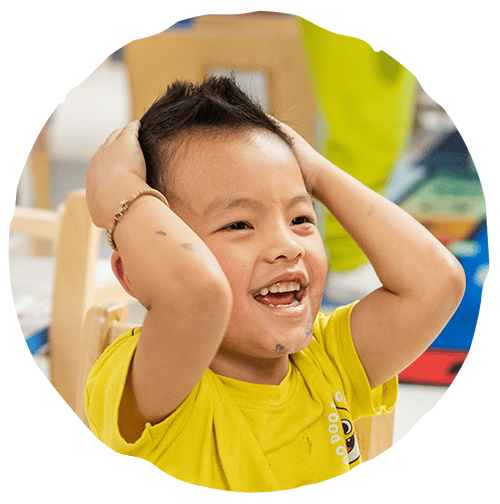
244	195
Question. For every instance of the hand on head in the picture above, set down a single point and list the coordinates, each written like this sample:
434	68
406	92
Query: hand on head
307	157
116	171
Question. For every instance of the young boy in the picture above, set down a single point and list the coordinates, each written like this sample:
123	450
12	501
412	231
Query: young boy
234	380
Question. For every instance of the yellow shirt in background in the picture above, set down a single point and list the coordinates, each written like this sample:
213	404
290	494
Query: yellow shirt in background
233	435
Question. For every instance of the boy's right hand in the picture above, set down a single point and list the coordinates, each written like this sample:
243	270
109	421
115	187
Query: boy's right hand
116	172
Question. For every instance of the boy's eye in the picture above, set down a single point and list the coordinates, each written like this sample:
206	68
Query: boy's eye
303	219
236	226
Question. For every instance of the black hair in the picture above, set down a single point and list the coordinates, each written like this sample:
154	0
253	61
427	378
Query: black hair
217	105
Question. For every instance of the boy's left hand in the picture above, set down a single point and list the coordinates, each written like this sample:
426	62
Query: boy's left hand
309	159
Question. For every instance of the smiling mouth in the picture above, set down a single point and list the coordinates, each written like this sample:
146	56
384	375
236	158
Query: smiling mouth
281	294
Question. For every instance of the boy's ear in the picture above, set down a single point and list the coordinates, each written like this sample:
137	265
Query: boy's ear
120	274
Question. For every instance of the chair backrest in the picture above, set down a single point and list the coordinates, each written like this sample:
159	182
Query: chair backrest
75	290
104	323
267	45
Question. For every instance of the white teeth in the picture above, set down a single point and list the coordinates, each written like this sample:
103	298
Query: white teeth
280	287
294	302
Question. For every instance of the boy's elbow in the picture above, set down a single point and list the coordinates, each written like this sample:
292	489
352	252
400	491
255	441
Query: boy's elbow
460	282
439	299
210	293
201	293
220	293
211	304
452	282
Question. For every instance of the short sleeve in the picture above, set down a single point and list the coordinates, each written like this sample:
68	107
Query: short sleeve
334	333
105	386
103	393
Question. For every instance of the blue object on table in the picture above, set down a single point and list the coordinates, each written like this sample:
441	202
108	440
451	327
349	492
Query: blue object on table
450	157
185	23
38	340
473	256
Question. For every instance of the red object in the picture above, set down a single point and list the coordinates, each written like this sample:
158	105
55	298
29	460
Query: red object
434	367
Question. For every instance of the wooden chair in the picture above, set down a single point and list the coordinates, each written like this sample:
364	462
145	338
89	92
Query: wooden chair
104	323
375	434
266	44
80	280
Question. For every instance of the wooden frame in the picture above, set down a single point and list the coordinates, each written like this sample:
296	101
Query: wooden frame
269	43
76	243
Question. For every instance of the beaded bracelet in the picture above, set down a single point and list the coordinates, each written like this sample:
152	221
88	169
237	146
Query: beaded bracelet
125	205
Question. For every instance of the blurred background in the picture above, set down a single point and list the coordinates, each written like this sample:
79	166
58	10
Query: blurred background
360	108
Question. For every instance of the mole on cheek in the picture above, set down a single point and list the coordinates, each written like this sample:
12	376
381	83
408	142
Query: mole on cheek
280	349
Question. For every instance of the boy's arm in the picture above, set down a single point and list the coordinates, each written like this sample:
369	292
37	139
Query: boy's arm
169	269
423	283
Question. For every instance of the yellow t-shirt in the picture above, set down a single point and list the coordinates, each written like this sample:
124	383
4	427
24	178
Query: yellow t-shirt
247	437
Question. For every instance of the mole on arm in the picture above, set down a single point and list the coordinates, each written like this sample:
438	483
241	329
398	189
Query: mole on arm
191	247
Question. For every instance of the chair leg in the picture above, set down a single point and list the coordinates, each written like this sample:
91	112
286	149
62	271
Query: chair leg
375	435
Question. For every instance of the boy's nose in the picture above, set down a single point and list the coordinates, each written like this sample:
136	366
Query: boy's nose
283	245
